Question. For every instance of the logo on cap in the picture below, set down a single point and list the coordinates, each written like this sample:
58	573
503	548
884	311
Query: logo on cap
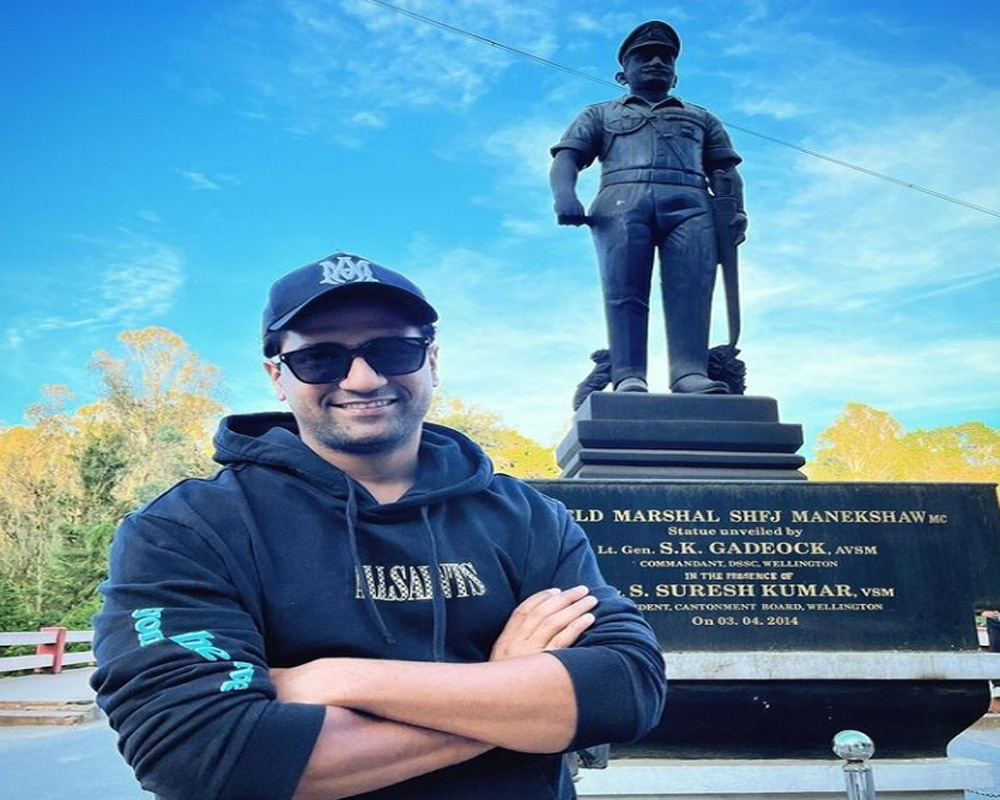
347	269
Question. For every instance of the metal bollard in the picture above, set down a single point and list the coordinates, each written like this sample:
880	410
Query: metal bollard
856	747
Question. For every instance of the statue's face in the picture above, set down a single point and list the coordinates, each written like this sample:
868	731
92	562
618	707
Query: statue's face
650	69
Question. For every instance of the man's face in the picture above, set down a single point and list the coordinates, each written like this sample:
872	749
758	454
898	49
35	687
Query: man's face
650	68
365	412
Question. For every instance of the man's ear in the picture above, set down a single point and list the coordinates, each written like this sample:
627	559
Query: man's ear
274	373
432	359
620	79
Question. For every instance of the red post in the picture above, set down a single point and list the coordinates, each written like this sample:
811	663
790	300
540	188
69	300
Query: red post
56	649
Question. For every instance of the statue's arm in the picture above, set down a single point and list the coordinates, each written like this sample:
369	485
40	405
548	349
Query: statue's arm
566	166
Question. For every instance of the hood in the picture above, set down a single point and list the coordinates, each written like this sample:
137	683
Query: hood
450	464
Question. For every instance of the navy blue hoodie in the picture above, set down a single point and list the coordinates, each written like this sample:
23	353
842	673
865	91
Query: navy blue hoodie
280	558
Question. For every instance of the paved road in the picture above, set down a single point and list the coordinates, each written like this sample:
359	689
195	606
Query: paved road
982	745
81	763
56	762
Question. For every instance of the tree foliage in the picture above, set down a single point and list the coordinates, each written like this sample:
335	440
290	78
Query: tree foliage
866	444
69	476
511	452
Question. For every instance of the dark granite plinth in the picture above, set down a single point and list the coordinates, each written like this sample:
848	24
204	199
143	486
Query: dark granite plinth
798	719
579	468
786	566
697	436
639	405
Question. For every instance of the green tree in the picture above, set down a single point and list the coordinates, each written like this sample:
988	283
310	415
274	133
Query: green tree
40	496
75	569
68	477
159	402
12	614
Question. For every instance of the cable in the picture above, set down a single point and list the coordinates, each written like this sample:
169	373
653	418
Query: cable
580	74
866	171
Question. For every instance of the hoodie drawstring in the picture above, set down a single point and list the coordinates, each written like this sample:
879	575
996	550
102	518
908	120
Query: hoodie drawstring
352	515
437	598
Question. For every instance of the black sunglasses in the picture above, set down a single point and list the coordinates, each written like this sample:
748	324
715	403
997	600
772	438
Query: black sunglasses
329	362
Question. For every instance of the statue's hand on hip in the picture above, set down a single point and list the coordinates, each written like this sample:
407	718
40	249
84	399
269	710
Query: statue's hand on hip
739	226
571	212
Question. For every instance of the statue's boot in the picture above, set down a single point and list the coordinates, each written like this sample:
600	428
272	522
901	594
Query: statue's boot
632	384
698	384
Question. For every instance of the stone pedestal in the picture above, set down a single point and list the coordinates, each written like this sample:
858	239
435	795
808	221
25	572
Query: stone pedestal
789	611
662	779
704	437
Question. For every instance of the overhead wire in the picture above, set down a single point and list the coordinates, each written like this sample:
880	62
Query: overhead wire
581	74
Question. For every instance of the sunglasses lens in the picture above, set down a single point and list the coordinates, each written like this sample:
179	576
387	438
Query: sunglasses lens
329	363
322	364
395	356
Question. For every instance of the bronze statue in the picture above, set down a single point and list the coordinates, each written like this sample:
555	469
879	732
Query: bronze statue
669	184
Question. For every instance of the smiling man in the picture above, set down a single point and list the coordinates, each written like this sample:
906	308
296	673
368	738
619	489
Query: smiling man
355	604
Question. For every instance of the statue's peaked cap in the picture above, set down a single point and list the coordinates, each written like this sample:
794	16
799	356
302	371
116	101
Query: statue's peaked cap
653	32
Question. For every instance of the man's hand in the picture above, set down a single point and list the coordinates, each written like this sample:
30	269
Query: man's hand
549	620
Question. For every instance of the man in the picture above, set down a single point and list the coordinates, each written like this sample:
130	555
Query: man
659	157
355	604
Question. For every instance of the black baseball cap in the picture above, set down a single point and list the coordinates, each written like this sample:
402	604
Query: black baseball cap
346	273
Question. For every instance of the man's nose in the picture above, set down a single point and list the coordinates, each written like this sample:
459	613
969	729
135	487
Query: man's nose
361	377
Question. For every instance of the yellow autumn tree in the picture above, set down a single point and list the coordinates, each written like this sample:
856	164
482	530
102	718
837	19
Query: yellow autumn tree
511	452
158	400
68	477
866	444
40	497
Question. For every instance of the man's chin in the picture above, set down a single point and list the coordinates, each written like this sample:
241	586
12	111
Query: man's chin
367	443
366	447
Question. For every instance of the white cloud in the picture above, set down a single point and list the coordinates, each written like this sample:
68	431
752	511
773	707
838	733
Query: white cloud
356	60
523	150
199	180
140	282
770	107
14	338
129	280
815	375
368	119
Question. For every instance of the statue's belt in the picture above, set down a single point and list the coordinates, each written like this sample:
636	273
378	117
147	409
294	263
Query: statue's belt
675	177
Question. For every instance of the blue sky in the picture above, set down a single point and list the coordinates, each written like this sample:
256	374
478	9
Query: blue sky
162	162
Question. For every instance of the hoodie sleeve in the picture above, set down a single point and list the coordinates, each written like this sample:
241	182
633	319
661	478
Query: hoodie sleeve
616	666
182	674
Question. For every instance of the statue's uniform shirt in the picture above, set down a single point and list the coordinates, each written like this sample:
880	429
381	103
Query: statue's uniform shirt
630	134
655	162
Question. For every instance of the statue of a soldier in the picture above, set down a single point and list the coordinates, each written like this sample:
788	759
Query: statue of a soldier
664	163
